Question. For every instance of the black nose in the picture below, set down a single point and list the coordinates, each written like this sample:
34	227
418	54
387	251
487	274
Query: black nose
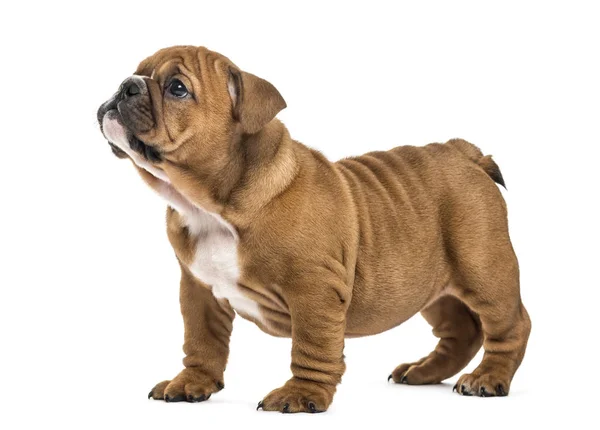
131	89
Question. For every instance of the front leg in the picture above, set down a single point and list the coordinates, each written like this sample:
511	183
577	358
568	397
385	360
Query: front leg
318	314
208	323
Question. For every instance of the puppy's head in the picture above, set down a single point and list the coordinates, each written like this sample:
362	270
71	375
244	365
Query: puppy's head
185	106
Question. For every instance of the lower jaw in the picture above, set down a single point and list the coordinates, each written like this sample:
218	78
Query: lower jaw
117	151
141	154
148	152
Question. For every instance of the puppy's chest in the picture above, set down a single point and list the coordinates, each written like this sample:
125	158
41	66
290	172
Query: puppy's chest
214	260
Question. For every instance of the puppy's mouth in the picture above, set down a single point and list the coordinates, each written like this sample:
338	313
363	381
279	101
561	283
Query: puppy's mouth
116	150
124	143
146	151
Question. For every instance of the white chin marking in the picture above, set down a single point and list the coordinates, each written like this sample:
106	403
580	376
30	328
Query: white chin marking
117	135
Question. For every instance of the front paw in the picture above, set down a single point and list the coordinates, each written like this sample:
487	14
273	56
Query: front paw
299	395
191	385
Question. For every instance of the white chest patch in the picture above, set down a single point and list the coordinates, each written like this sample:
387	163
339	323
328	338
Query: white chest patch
215	261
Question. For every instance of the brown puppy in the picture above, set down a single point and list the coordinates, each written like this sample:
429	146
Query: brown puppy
267	228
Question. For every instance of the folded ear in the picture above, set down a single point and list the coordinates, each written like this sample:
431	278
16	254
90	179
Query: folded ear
255	101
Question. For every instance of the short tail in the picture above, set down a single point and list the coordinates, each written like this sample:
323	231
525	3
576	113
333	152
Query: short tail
474	154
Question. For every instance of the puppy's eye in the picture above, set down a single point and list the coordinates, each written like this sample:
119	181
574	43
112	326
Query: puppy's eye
177	88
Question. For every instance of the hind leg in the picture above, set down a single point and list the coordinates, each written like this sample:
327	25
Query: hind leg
489	285
506	328
460	339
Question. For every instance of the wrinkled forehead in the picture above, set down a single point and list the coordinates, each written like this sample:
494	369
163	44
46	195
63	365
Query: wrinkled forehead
185	60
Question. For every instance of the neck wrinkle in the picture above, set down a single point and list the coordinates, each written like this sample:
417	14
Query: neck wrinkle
269	167
231	175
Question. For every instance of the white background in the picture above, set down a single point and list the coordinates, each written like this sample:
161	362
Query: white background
89	284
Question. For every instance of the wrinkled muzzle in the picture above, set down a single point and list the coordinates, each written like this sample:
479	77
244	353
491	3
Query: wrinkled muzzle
125	115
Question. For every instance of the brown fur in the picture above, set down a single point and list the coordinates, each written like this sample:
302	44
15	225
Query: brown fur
331	250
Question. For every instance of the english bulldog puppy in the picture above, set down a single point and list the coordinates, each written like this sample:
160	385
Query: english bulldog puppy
269	229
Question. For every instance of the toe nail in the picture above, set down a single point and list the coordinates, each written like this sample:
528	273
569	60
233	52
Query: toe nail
286	408
483	392
455	387
167	398
403	379
312	407
389	377
190	398
220	385
260	405
150	394
500	390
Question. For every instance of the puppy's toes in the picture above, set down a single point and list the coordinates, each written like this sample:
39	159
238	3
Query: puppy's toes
298	396
195	392
483	385
191	385
169	398
417	373
158	392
